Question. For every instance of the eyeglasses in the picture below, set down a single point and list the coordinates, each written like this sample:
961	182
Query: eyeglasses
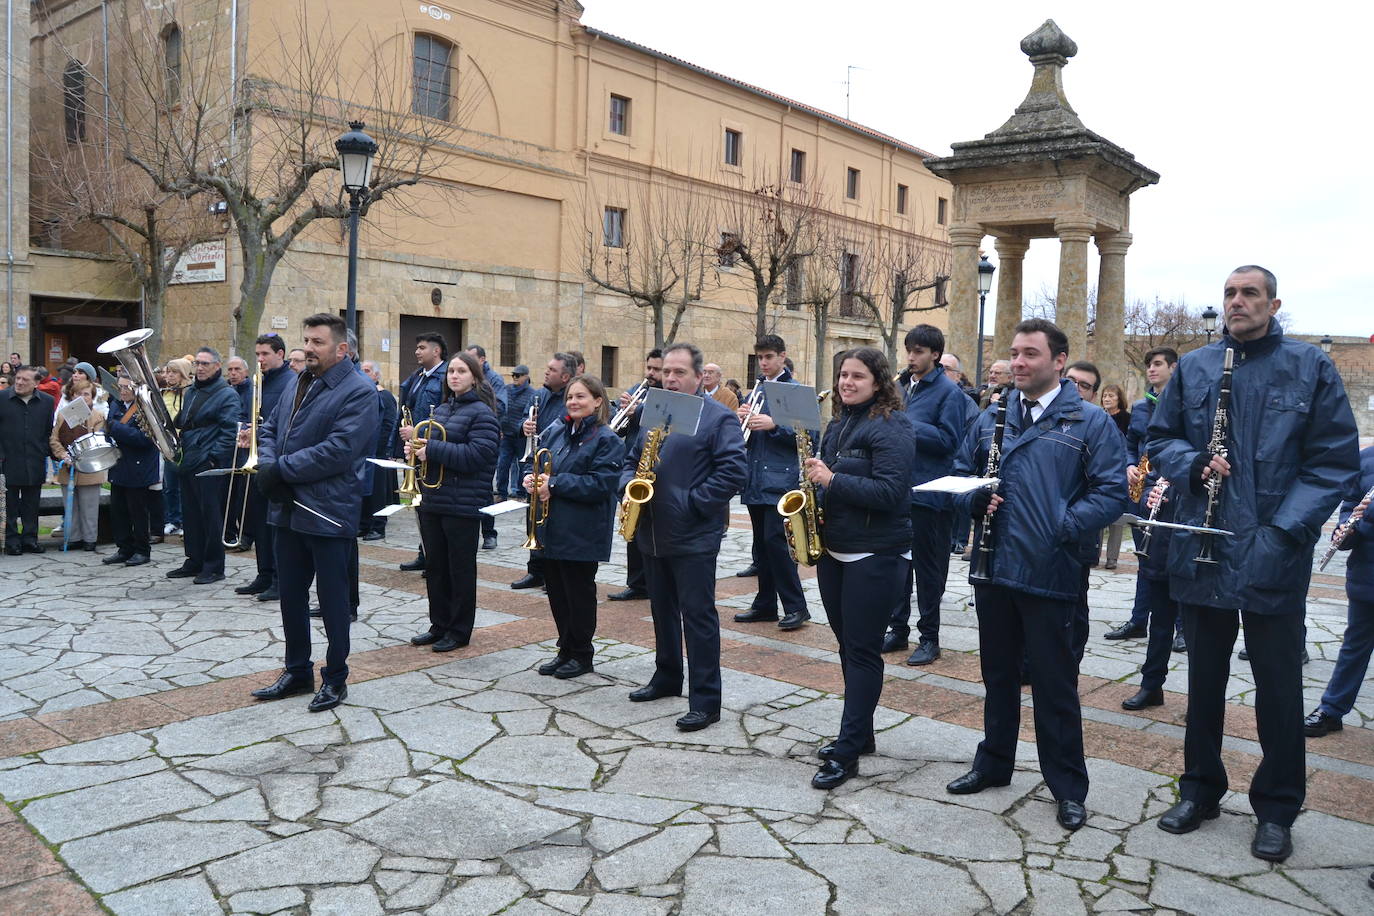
1084	386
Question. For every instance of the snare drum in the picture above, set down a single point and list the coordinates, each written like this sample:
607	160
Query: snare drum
93	453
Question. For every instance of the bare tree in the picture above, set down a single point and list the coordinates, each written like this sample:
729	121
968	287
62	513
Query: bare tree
1161	323
813	283
886	277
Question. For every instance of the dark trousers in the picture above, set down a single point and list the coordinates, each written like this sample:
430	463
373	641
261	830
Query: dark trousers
572	600
508	474
1080	616
264	536
382	495
682	596
157	513
1147	585
778	579
236	497
1353	661
634	568
300	558
22	508
535	564
129	519
202	519
1275	643
1164	616
171	492
930	539
855	595
1008	623
451	563
488	524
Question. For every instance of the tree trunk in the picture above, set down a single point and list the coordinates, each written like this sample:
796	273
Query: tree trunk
822	370
658	324
258	266
154	308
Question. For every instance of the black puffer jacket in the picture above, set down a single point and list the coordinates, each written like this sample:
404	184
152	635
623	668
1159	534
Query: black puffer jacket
468	457
866	508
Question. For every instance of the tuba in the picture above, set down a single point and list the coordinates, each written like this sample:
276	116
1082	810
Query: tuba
640	489
800	511
129	349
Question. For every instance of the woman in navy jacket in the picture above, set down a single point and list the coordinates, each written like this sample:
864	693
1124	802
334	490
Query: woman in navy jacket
581	499
449	514
864	468
131	479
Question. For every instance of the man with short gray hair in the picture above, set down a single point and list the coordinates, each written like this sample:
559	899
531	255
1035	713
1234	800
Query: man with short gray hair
208	423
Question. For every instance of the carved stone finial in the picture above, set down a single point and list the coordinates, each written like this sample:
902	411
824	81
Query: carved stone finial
1048	40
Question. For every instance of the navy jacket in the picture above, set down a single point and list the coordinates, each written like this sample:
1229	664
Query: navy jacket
420	397
1138	431
865	509
386	434
550	407
321	450
244	390
498	386
772	458
586	481
939	413
1359	565
1063	480
468	457
274	382
1293	452
697	477
518	398
208	424
139	465
24	433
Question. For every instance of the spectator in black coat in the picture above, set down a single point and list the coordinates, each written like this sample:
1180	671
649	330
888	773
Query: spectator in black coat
381	493
209	424
25	427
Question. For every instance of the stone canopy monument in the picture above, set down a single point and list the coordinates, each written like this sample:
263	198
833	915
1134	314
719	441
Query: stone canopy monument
1043	174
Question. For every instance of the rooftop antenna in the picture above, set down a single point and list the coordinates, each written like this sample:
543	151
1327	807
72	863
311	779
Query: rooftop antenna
848	80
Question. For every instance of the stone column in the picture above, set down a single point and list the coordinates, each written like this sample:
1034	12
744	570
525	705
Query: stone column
1109	336
1071	300
963	293
1011	253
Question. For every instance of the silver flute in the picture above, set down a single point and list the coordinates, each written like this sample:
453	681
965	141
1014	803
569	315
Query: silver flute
1338	537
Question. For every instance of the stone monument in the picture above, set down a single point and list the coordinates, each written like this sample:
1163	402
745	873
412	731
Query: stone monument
1043	175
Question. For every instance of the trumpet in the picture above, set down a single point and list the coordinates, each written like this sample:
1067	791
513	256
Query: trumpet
623	415
418	442
532	442
640	489
409	491
539	508
753	404
246	470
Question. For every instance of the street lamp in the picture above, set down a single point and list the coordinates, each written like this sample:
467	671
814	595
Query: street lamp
356	150
1326	343
1209	321
985	272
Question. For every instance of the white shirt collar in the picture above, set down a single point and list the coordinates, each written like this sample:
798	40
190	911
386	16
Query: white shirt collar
1043	402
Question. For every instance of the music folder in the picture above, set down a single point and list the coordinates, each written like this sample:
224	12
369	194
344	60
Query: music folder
793	405
679	412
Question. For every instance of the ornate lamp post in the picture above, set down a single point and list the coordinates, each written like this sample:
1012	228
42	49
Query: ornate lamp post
1326	343
1209	321
356	150
985	272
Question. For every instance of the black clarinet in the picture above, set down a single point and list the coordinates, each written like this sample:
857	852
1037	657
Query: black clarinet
1217	446
982	560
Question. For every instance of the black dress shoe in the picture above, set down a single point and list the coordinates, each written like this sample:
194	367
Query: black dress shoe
412	565
489	542
286	686
374	536
1187	816
572	668
181	572
13	551
827	751
528	581
448	644
1272	842
115	558
89	547
255	587
208	578
271	593
925	653
328	697
894	641
1319	723
75	545
696	720
650	692
1180	644
138	559
794	621
1071	814
428	637
549	667
34	548
834	773
756	615
628	594
975	781
1126	631
1143	698
748	572
1305	657
1243	654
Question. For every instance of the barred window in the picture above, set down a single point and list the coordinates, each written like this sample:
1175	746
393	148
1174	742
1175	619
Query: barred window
74	101
433	77
849	281
510	343
171	61
613	228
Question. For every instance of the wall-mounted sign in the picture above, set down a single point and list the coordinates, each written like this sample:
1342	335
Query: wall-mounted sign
386	344
201	263
278	322
436	13
21	321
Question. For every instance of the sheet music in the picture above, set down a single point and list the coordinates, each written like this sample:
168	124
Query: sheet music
956	485
75	413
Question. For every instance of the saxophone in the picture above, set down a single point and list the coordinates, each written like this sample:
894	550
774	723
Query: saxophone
800	511
641	488
1137	489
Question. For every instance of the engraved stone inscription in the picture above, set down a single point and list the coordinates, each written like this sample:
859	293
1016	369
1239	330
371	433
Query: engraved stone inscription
1033	198
1105	205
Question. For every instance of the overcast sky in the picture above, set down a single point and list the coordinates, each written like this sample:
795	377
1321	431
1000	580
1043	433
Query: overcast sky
1256	115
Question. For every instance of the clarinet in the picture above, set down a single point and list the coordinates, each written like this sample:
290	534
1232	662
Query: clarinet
1338	538
1216	446
981	571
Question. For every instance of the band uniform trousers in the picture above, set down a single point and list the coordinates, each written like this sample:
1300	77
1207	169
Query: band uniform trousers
634	568
264	535
1080	616
300	558
682	597
572	600
451	565
1274	643
931	530
488	522
129	519
1164	616
1353	660
1011	622
778	578
383	494
22	509
202	517
855	595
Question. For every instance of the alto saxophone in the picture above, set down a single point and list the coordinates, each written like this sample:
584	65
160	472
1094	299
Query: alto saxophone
641	488
1137	489
800	511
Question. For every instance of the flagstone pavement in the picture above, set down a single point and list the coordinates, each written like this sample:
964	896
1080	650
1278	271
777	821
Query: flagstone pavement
139	778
